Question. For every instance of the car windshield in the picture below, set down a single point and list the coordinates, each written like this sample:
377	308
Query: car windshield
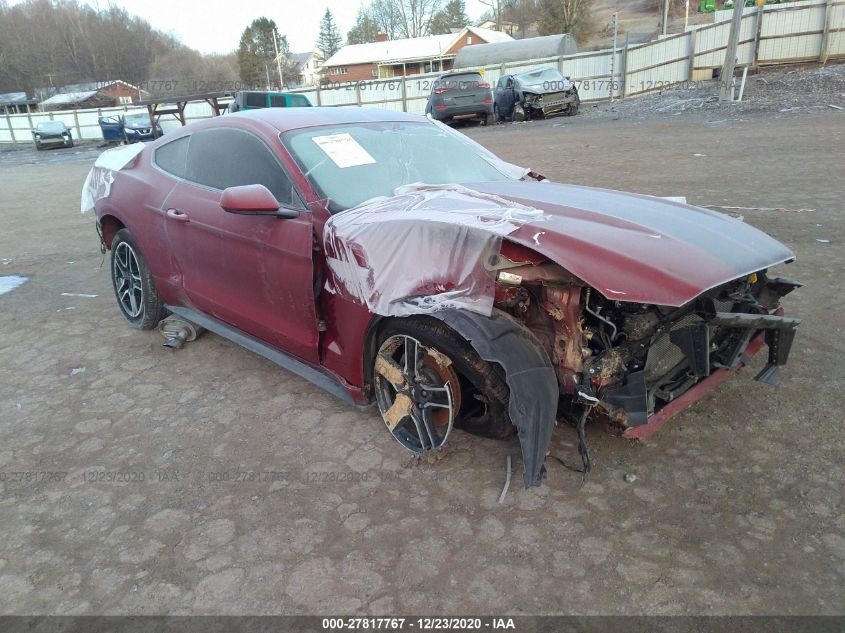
466	81
539	76
138	119
50	127
352	163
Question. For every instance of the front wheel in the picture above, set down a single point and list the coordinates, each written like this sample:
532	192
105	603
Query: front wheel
427	379
133	285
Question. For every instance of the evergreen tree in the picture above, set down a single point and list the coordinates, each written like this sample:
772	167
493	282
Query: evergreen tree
257	56
365	29
330	39
452	16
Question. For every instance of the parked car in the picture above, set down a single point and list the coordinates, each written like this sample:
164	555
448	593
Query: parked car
535	94
137	127
251	100
461	95
52	134
128	128
491	299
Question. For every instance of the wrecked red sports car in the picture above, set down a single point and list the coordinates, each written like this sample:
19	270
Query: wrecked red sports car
389	259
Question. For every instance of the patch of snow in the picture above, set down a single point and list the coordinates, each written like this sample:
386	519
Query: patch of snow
10	282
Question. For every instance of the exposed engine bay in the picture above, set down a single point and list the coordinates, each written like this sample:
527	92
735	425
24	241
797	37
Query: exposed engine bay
629	360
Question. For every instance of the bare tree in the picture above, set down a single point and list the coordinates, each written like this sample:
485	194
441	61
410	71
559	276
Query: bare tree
566	16
405	18
496	9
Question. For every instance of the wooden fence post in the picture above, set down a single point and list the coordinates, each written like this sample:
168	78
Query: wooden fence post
828	16
9	123
404	95
728	67
691	71
758	26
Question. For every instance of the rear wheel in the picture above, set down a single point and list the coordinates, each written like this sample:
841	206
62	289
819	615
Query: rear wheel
427	380
133	285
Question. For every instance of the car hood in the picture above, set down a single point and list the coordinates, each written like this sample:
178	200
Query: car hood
637	248
546	86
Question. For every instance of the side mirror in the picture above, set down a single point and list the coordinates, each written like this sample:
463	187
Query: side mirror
253	200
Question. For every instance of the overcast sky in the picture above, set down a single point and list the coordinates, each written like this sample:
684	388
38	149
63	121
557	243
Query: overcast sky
215	26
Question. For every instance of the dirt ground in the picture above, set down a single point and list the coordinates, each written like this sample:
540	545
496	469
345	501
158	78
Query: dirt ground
227	485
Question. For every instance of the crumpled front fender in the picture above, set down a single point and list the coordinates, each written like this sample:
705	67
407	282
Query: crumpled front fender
529	374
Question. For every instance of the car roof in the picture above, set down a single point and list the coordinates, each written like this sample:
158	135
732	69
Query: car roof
284	119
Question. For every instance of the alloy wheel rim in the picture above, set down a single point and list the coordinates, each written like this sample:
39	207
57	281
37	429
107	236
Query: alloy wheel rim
417	392
126	274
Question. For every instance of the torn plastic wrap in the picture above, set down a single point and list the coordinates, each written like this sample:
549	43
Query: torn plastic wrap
423	250
99	180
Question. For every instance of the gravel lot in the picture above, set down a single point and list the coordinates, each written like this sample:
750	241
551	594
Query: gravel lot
737	506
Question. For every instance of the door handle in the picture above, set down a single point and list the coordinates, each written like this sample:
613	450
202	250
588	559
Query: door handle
176	214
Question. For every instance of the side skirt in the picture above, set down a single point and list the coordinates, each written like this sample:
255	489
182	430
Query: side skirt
283	360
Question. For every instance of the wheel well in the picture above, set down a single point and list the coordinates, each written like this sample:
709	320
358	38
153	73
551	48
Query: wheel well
109	226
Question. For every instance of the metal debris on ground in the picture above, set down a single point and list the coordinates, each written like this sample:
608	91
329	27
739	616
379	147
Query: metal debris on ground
727	208
507	480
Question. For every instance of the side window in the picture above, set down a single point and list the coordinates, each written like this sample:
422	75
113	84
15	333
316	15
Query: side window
255	100
278	101
228	157
171	157
299	101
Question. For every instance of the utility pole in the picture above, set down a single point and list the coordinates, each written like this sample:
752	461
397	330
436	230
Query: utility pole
665	22
615	20
686	15
278	61
730	54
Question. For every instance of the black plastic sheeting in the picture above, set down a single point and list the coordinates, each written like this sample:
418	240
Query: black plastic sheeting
529	374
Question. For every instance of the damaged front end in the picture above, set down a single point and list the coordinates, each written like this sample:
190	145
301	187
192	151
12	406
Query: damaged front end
639	364
538	106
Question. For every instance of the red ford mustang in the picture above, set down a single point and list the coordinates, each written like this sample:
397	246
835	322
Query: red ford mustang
389	259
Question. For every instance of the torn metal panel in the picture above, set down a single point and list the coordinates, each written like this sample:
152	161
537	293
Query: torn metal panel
425	249
529	374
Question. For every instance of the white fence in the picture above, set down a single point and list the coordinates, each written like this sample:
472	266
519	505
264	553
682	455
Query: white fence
784	33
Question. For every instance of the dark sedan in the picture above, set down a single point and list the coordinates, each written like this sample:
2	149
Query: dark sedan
461	95
137	127
535	94
52	134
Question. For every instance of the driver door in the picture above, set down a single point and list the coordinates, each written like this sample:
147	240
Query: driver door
504	96
253	272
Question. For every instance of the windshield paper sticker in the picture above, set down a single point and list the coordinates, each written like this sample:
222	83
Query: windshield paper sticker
344	150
